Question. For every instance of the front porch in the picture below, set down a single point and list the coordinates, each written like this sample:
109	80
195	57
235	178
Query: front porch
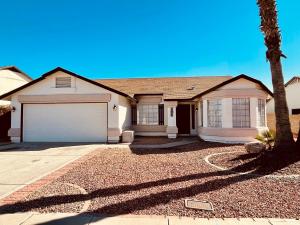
153	116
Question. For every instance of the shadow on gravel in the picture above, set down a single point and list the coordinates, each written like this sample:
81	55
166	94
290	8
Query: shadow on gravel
132	205
270	162
151	200
245	156
200	145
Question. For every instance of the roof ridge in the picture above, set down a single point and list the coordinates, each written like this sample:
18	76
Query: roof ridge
140	78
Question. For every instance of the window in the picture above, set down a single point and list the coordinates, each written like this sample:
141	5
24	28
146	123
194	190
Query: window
63	82
261	112
295	111
148	114
241	112
214	113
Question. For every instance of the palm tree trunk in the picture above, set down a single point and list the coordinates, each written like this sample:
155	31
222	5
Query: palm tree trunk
284	136
298	138
270	29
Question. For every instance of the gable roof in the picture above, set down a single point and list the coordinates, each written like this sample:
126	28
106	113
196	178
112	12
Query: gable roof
293	80
170	87
242	76
68	72
15	69
176	88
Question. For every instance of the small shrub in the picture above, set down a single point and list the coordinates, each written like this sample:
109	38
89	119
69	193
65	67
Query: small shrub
268	138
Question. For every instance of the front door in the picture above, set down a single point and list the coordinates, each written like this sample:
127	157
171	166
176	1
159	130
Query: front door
183	119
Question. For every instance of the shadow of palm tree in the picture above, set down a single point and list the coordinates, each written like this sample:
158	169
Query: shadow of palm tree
201	145
151	200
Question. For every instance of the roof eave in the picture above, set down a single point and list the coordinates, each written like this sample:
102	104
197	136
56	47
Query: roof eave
68	72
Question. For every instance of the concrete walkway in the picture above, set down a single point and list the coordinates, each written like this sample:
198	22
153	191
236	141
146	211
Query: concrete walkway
22	164
77	219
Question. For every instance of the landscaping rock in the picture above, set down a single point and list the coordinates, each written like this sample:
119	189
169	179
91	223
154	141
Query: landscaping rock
255	147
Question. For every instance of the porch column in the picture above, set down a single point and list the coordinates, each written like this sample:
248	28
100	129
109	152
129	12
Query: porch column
171	119
253	112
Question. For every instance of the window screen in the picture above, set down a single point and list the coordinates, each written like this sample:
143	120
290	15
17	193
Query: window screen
148	114
214	113
261	112
241	112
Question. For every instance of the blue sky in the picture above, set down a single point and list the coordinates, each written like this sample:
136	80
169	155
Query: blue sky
144	38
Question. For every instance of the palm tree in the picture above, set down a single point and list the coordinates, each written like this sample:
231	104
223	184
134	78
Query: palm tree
270	29
298	138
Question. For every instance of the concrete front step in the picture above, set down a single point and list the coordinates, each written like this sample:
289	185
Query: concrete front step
86	219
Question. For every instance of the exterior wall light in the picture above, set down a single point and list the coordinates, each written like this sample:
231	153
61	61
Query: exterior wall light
114	107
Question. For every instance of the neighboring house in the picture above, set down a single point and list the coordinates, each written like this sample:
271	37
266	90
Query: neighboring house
10	78
62	106
292	89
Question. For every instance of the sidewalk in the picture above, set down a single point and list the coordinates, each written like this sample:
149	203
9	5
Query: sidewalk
81	219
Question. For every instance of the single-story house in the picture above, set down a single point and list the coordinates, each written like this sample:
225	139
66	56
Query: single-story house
62	106
292	89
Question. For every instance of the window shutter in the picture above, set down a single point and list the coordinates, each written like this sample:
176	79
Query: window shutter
193	117
161	114
133	115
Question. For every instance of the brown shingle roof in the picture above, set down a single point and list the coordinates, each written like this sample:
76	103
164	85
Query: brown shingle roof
171	87
294	79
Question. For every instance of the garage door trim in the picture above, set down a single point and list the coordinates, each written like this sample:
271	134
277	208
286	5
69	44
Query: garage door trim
22	114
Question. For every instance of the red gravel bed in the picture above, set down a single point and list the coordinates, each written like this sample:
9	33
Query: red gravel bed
238	159
121	181
154	140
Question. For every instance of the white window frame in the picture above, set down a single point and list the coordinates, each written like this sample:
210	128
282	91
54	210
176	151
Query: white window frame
214	113
241	113
147	114
261	117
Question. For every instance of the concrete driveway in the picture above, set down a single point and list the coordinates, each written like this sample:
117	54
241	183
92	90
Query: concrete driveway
22	164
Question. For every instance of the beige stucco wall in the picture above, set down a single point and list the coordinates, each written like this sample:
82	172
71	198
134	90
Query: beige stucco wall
124	110
292	97
10	80
241	88
78	86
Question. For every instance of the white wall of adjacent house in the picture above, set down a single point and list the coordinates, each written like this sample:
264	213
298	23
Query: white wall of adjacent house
241	88
46	87
292	97
10	80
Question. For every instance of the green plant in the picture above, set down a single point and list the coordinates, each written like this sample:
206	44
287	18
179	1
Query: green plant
268	138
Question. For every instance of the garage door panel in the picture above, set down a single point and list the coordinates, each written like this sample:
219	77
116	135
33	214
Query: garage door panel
80	122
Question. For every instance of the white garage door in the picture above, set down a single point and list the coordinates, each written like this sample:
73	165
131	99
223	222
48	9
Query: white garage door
75	122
